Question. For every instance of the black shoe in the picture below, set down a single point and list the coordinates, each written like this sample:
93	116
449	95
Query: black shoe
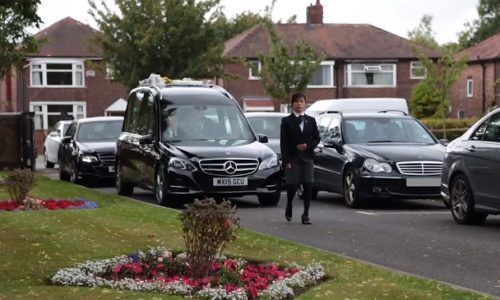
288	213
306	220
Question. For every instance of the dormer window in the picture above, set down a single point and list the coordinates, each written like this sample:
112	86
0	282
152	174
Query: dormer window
57	73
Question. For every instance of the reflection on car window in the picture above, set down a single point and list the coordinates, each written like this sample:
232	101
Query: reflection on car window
323	125
478	134
99	131
381	130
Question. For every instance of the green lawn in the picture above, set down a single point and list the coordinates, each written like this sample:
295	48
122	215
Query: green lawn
35	244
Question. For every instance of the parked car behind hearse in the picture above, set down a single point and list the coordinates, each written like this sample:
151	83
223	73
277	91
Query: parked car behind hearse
186	140
471	172
87	151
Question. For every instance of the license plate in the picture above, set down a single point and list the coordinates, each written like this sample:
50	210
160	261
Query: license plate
426	181
238	181
111	169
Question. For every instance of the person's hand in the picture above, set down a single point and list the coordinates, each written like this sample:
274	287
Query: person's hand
302	147
288	166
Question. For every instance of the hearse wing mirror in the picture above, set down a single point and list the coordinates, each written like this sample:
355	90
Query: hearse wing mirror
444	142
332	143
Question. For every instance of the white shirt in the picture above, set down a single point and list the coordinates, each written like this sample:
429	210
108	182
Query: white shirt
301	125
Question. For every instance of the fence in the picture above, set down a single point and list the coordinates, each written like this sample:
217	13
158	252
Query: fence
17	144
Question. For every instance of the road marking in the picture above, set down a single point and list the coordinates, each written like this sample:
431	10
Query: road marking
403	213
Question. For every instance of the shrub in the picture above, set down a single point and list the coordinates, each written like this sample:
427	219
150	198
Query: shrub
454	127
18	183
207	227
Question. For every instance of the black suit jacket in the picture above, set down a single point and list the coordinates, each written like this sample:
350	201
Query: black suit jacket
291	136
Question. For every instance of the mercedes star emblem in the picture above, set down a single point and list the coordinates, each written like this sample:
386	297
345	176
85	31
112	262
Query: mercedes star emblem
230	167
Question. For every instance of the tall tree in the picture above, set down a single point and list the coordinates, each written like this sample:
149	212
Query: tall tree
15	42
287	71
241	22
174	38
429	98
487	25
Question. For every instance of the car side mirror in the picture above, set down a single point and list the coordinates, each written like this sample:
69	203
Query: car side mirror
146	140
66	140
444	142
332	143
263	138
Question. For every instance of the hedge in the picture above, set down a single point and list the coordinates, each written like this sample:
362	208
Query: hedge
454	127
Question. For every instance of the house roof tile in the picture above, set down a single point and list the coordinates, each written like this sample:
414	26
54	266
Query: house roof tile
68	38
485	50
336	41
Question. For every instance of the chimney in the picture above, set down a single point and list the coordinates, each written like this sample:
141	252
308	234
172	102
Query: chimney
315	13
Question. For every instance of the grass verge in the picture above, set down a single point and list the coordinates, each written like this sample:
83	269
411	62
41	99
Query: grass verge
35	244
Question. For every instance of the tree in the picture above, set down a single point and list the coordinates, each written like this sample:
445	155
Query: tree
429	98
487	25
285	72
15	42
175	38
230	27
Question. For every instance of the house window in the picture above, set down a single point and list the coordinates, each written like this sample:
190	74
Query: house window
323	77
418	71
470	88
461	114
371	75
47	114
254	68
57	73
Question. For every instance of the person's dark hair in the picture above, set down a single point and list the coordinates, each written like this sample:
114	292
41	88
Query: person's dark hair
297	96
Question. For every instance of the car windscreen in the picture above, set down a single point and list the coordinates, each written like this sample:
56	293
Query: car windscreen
267	125
385	130
99	131
217	124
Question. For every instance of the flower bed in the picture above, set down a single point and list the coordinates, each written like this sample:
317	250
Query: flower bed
159	270
50	204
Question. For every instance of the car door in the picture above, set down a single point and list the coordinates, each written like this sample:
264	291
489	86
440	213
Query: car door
482	161
66	149
52	142
328	162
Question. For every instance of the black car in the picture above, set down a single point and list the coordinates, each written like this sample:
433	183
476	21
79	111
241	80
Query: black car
87	152
187	140
471	170
376	155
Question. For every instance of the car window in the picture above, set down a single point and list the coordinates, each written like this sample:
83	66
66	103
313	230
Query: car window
323	125
333	130
268	125
220	123
381	130
71	130
479	133
492	132
99	131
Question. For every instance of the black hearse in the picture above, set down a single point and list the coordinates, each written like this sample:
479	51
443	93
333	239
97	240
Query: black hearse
187	140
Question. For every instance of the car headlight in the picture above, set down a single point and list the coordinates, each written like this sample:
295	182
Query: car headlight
374	166
269	163
89	159
181	164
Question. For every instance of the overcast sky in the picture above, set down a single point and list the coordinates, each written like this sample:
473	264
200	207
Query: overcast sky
396	16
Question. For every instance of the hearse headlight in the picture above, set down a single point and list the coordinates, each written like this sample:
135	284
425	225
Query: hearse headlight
89	159
181	164
269	163
377	167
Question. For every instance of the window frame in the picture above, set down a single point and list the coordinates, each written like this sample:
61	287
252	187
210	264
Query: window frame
42	63
44	113
469	88
331	64
458	114
413	67
349	73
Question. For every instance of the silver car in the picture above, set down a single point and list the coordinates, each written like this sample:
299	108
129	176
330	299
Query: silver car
268	124
52	141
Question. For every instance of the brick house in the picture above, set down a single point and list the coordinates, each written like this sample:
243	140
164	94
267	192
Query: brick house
64	76
478	88
361	61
